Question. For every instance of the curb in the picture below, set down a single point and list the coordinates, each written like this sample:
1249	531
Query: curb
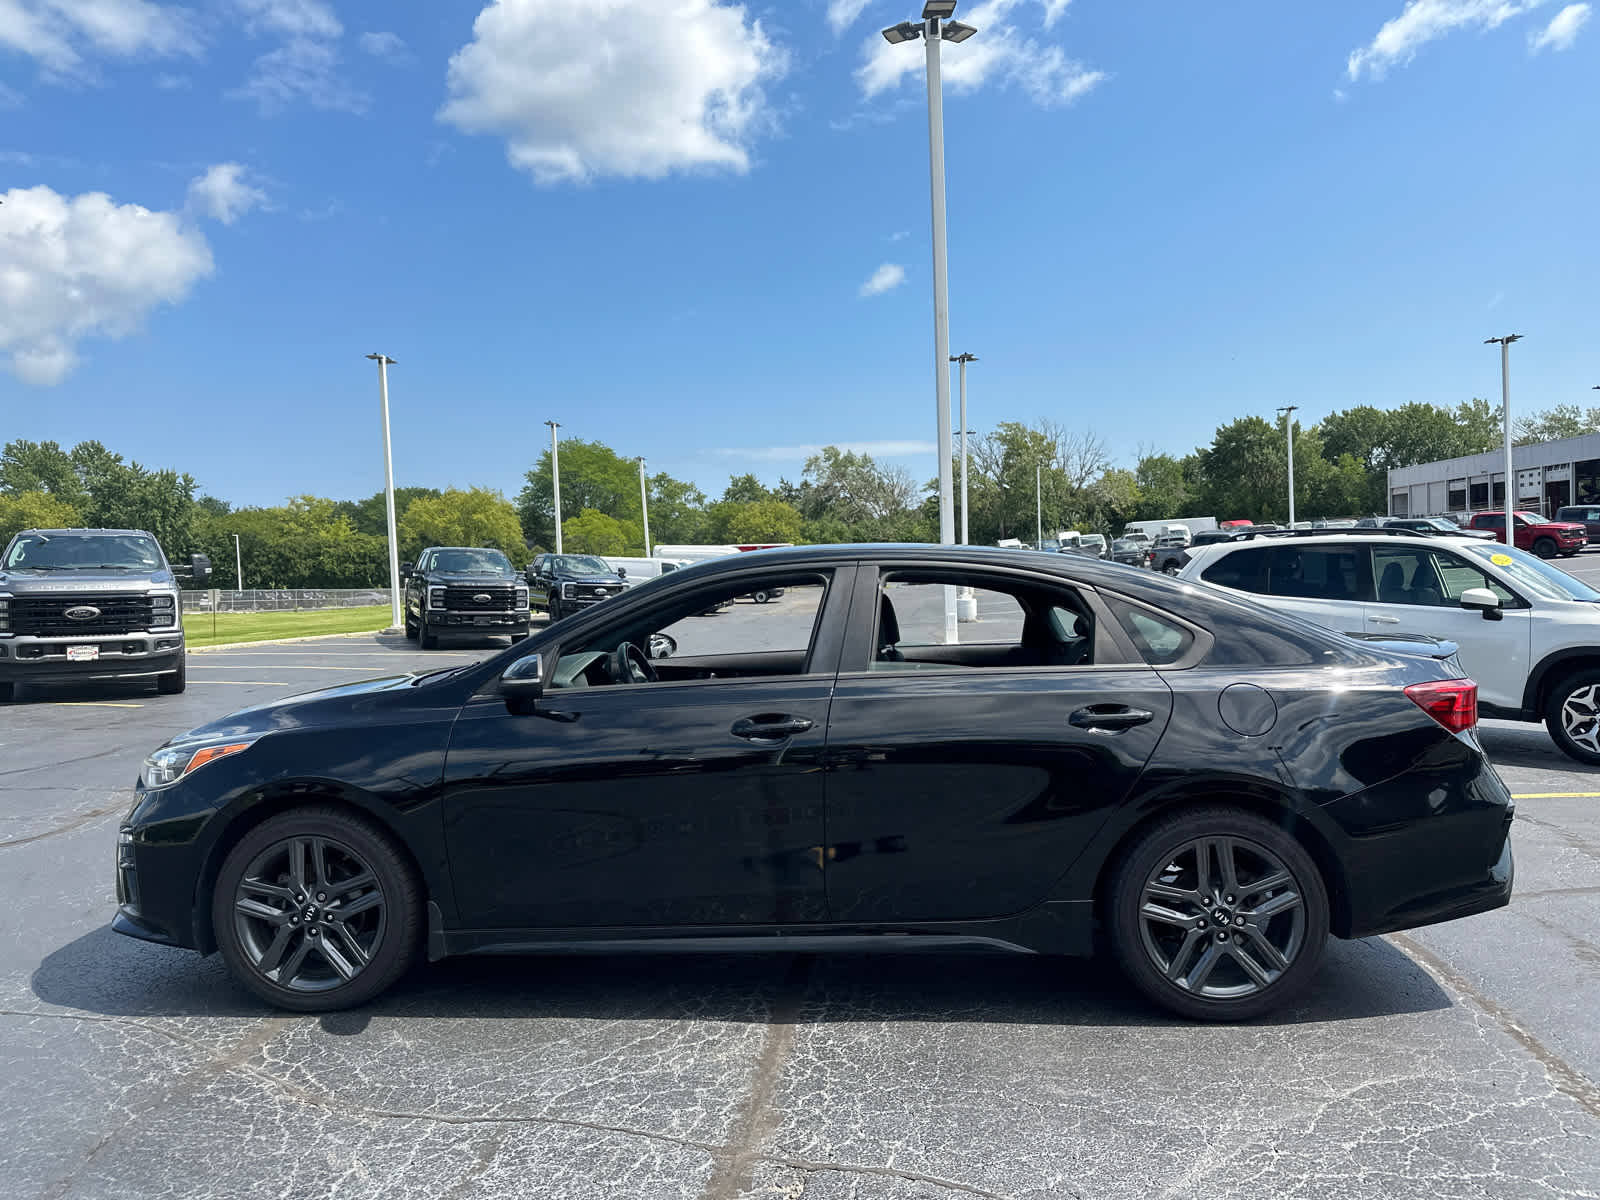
317	637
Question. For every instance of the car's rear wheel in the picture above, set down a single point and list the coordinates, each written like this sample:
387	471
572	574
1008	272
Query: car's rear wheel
1545	547
172	684
1171	568
1217	915
1572	715
316	910
760	597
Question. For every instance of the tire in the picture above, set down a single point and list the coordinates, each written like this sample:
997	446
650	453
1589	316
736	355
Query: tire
1545	547
386	931
173	684
1572	715
760	597
1171	569
425	639
1225	933
411	630
8	691
555	610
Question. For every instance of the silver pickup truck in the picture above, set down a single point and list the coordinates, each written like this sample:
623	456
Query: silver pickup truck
91	604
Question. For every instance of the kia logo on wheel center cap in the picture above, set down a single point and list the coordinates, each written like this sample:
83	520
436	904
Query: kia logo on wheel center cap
84	612
482	598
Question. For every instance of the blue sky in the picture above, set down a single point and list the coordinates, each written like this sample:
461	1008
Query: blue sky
657	224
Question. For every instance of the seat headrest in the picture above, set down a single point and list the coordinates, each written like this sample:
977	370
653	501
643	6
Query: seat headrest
888	626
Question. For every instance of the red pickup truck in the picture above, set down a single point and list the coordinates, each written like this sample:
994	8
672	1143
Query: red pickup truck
1544	538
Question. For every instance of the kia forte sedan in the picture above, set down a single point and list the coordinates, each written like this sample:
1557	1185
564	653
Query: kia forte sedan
1102	758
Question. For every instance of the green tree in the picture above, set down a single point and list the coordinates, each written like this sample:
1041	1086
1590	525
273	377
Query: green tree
1163	487
33	510
475	517
371	515
593	532
677	511
853	488
1562	421
764	521
593	475
41	467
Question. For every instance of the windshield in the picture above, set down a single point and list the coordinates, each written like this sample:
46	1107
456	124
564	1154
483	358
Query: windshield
1441	524
479	562
576	564
80	551
1534	574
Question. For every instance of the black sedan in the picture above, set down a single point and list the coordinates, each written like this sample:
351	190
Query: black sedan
1103	756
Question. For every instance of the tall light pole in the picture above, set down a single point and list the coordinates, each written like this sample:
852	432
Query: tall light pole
384	363
1038	503
1505	413
555	480
238	564
937	27
1287	413
964	359
644	507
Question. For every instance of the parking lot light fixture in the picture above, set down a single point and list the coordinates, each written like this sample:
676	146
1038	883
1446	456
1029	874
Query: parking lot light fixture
555	480
906	31
1287	413
938	10
644	507
1505	415
384	363
955	31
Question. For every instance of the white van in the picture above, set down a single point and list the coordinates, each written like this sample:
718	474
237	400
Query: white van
637	570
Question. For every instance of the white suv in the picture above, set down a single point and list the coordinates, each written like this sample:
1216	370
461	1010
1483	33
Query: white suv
1528	632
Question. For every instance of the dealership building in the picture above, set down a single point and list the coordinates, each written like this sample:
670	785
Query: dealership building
1549	475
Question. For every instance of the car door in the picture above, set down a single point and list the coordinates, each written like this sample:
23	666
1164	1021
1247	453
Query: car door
965	778
1419	592
417	586
695	800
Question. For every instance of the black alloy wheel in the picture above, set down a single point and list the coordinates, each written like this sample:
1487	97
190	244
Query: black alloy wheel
173	684
1545	547
1572	715
315	910
555	610
1217	915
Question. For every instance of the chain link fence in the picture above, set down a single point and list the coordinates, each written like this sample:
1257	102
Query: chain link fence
254	600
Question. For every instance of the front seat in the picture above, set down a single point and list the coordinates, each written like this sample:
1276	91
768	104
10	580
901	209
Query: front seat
888	631
1392	585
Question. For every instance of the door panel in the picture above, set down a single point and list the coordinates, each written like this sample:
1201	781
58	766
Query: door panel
638	806
966	794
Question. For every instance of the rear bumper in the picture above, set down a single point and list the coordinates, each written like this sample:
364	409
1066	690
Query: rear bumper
121	656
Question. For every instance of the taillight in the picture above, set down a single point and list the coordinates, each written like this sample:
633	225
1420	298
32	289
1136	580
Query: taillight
1451	702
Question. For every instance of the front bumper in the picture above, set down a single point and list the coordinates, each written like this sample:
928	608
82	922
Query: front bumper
442	620
121	656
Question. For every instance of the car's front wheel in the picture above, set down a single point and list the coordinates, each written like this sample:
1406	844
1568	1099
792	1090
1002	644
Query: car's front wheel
316	910
1217	915
1572	715
1545	547
173	683
426	640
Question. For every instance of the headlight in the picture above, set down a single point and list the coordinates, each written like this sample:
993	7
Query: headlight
5	614
522	597
569	591
171	763
163	610
436	597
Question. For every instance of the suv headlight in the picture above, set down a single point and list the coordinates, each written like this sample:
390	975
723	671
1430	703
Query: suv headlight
172	763
522	597
436	597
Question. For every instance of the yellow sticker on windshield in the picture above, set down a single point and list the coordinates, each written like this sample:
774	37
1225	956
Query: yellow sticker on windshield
1500	560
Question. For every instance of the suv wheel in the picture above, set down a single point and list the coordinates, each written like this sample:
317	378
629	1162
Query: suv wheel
1545	547
8	691
1217	915
1572	715
427	640
173	684
315	910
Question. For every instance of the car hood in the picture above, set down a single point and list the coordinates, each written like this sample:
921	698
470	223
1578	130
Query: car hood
597	580
469	578
307	710
45	583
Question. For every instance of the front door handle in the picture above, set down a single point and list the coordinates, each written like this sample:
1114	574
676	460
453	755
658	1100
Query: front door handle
1384	620
1109	716
769	727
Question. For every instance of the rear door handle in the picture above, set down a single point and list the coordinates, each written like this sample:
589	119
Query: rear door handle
768	727
1384	620
1109	716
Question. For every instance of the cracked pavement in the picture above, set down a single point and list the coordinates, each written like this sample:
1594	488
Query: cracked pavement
1460	1060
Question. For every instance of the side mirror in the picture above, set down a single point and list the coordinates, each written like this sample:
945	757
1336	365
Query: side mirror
622	572
523	679
405	570
1484	601
200	568
662	645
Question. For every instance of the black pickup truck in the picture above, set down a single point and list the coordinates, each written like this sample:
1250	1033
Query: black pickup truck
463	591
564	583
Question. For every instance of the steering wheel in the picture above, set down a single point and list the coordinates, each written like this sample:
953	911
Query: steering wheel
628	664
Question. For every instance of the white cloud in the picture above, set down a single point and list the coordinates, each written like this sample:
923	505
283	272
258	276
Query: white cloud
302	69
1562	30
78	266
61	35
292	18
999	53
885	279
222	193
1053	9
900	235
888	449
388	46
843	13
1424	21
584	88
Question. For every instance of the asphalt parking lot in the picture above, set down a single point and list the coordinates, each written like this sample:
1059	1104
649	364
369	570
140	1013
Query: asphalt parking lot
1457	1061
